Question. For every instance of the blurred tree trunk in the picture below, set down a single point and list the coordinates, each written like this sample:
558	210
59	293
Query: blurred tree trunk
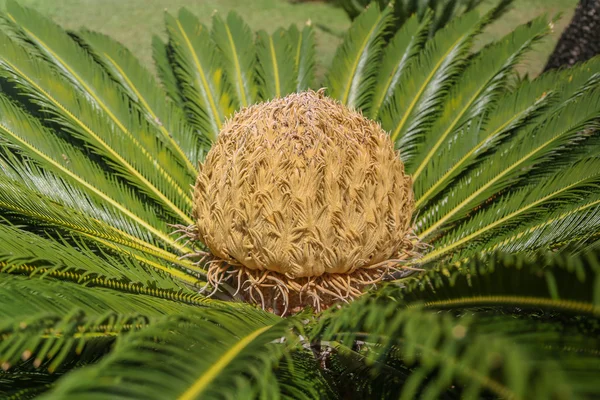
581	40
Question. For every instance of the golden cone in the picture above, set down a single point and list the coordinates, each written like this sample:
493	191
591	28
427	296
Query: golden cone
303	187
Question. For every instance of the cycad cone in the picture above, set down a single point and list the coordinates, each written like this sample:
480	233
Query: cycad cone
303	196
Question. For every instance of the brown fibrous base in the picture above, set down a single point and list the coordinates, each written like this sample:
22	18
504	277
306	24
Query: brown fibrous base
282	295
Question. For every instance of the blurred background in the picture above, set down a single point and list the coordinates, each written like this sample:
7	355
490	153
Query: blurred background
133	22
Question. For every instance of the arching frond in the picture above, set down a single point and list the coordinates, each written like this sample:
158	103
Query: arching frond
471	98
276	64
419	354
238	53
197	66
398	56
54	342
351	79
144	92
570	223
303	47
514	159
418	96
554	281
28	136
205	354
92	107
530	204
20	247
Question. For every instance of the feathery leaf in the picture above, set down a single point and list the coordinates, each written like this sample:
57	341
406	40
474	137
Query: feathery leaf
352	76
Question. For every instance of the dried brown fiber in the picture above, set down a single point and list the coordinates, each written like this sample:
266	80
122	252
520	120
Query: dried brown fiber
306	189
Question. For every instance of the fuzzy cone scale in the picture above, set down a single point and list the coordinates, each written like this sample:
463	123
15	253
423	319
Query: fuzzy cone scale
303	186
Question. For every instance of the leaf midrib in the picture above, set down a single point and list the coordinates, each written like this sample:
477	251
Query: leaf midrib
209	375
204	82
236	63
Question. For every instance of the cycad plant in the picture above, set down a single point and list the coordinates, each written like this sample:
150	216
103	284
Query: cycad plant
102	297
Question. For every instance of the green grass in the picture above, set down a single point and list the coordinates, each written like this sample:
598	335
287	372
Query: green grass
132	21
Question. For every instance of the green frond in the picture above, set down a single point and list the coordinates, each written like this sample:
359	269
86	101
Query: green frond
530	204
276	64
162	55
529	103
55	296
58	342
144	92
198	68
25	385
442	11
299	376
303	47
418	354
205	354
235	42
25	134
398	56
553	281
41	200
473	96
575	221
92	107
21	247
353	71
515	111
418	96
513	160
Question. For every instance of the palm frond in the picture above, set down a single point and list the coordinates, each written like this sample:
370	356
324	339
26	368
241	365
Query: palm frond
530	204
95	109
418	354
303	46
162	54
276	64
144	92
549	281
514	159
207	353
23	252
197	66
53	204
515	111
25	385
528	104
353	72
55	342
55	296
28	136
418	96
573	222
472	97
238	53
398	56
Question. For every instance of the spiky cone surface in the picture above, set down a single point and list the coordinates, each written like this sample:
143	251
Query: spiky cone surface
302	201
